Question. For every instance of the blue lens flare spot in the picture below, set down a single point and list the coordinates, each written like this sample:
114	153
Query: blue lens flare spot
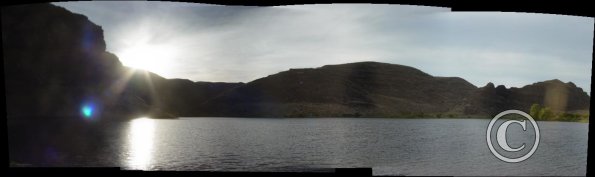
87	111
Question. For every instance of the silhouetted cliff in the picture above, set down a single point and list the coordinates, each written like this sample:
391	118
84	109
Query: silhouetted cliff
55	63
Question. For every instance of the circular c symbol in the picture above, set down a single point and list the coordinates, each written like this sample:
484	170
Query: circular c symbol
501	136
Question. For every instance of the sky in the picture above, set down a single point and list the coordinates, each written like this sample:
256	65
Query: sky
219	43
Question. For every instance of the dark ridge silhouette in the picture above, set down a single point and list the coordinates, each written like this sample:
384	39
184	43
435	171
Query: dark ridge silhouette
559	96
365	89
372	89
55	61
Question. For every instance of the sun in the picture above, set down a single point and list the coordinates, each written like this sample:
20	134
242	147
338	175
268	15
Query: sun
150	57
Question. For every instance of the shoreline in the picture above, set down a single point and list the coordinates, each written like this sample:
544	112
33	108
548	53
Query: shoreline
71	119
183	117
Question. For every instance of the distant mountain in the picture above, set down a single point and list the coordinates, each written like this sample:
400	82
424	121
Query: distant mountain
372	89
55	63
559	96
356	89
183	97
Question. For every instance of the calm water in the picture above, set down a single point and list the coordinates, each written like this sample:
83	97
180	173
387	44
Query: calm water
389	146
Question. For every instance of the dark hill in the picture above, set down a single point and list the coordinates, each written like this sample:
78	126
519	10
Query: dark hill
364	88
372	89
559	96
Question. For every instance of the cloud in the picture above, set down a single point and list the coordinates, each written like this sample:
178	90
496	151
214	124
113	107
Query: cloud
240	44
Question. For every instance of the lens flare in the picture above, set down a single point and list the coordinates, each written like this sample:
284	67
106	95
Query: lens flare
87	110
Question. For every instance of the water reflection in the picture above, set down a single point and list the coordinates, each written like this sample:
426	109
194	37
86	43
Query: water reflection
140	143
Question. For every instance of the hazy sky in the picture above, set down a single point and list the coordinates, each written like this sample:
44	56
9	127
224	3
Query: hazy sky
239	44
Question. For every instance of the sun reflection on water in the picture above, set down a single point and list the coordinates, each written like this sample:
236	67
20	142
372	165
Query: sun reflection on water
140	143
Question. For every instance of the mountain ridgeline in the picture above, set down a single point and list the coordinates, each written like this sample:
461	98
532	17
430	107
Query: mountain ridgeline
373	89
354	89
56	61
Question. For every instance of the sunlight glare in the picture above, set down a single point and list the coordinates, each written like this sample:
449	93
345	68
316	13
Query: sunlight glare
141	143
154	58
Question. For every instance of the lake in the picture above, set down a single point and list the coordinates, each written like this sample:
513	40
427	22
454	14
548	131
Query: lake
389	146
